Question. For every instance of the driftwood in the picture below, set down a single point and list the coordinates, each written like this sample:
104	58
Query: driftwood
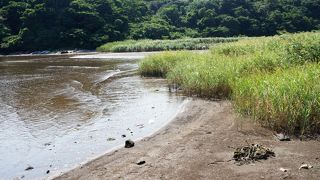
251	153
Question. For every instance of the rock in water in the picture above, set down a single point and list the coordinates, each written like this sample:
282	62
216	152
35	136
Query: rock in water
129	144
29	168
111	139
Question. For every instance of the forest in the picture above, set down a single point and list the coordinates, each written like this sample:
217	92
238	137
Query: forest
32	25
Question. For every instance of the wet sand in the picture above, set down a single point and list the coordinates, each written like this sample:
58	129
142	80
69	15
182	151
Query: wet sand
199	144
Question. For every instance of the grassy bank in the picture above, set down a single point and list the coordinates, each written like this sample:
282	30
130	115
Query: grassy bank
273	79
162	45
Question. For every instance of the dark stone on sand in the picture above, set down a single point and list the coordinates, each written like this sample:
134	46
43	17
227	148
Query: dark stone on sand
29	168
129	144
111	139
47	144
141	163
48	171
283	137
123	136
64	52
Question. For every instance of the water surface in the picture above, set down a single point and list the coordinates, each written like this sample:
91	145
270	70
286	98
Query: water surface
57	112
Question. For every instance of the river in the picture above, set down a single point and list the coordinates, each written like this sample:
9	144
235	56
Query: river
58	112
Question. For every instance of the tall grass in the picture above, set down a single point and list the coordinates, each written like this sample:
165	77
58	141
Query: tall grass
286	100
162	45
271	78
160	64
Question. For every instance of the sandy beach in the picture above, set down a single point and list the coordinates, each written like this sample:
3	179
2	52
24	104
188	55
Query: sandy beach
199	144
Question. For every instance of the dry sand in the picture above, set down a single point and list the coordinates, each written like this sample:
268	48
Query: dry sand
197	144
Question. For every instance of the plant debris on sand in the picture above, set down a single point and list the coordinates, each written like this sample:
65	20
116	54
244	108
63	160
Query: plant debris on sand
251	153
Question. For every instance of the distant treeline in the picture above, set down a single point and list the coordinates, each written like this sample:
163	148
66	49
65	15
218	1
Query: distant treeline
29	25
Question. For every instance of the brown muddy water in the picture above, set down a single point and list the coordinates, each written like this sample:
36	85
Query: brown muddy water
58	112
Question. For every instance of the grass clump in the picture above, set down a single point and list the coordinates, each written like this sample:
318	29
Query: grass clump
205	75
159	65
273	79
162	45
286	100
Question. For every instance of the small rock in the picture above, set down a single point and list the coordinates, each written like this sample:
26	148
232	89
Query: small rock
141	163
157	90
111	139
305	166
153	107
29	168
283	137
140	126
123	136
129	144
284	170
48	171
286	176
64	52
47	144
22	176
209	132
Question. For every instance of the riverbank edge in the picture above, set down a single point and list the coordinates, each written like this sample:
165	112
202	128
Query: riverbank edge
180	110
198	144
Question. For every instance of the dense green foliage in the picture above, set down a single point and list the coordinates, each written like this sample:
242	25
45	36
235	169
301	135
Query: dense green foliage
27	25
274	79
163	45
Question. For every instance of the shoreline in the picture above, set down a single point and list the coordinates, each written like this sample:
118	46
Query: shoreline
196	144
116	148
125	55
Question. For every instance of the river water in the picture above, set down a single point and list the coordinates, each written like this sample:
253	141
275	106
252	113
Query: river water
58	112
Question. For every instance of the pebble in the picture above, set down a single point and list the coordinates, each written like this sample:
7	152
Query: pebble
305	166
29	168
284	170
283	137
141	163
129	144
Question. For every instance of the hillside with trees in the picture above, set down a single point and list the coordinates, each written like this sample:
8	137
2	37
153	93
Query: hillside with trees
30	25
